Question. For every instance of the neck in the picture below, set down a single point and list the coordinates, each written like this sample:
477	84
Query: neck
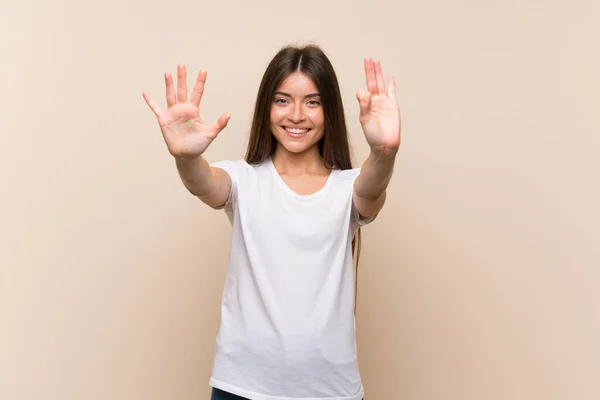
298	163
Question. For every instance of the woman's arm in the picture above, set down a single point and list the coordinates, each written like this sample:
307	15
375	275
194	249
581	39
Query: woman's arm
370	186
211	185
187	138
380	120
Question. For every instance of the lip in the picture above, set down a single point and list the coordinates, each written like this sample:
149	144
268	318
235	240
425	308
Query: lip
296	135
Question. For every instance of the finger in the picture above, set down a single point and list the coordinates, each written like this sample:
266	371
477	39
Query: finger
153	106
392	87
364	102
370	76
379	77
221	123
171	100
181	84
199	88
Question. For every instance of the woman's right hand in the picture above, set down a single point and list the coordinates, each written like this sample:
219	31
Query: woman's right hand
184	132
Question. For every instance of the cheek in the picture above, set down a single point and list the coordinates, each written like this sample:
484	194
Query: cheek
318	119
276	115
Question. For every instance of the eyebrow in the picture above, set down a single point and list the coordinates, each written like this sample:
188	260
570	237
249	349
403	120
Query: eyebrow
289	95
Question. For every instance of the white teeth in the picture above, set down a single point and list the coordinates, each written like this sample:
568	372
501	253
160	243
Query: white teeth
298	131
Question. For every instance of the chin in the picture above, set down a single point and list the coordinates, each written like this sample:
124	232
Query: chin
296	148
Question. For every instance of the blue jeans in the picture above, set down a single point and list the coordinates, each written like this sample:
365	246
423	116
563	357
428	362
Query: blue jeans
218	394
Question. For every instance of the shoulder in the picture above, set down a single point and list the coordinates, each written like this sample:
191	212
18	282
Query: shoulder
233	166
343	181
240	170
348	175
230	164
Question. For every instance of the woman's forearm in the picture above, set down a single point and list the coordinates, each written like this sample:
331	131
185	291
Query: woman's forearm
375	175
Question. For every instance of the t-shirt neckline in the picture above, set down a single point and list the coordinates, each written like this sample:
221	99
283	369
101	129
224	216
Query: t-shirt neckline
293	193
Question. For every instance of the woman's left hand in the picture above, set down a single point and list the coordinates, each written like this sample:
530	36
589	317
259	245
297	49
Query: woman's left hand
379	111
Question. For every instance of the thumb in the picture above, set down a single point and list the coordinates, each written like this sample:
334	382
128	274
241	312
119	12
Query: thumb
364	101
221	123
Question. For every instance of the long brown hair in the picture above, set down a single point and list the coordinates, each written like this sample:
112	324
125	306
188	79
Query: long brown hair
334	146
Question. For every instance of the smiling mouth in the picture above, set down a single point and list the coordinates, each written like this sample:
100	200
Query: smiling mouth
296	131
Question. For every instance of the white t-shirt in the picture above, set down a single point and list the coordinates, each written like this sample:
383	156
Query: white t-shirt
287	316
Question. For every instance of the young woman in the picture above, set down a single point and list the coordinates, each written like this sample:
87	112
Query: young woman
296	205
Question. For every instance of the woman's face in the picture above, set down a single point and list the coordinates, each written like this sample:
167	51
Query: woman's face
297	118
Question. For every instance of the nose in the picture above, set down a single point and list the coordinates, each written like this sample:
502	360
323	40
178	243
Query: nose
296	112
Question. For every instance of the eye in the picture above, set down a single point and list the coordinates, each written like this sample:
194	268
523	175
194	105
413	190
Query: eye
280	101
314	103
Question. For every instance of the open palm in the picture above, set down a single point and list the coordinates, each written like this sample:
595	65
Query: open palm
183	130
379	110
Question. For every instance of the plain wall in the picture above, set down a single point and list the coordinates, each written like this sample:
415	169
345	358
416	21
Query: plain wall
479	279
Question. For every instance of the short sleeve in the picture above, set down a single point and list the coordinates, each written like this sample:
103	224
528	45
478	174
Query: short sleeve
232	168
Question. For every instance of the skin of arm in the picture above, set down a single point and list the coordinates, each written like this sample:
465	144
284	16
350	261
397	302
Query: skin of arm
210	184
370	186
380	121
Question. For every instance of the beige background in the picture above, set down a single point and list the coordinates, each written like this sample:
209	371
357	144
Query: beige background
479	280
